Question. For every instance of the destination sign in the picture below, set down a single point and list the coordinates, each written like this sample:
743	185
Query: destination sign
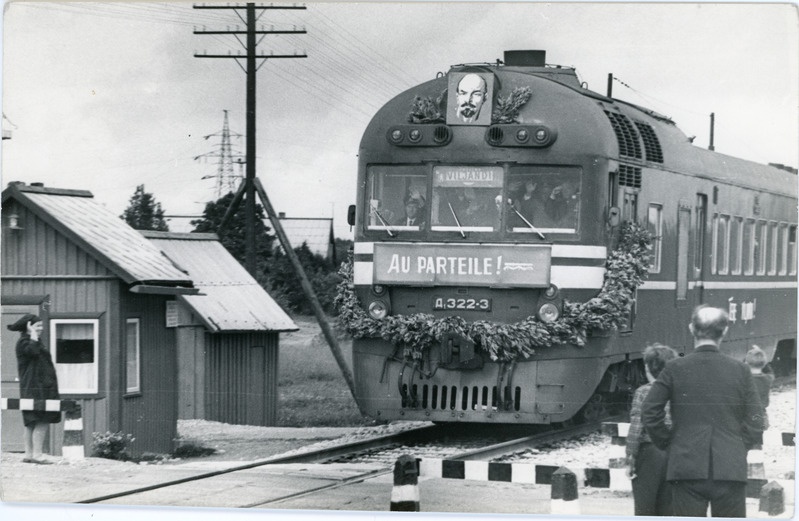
460	264
473	176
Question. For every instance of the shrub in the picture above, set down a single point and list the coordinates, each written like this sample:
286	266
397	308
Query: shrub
112	445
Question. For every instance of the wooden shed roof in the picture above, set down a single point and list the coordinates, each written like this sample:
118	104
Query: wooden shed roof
231	299
102	234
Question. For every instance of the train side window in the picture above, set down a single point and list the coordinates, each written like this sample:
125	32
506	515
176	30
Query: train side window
699	233
782	249
791	261
655	227
721	244
683	229
749	247
736	240
772	251
761	240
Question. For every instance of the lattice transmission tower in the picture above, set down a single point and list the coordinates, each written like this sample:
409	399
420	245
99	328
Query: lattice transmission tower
227	179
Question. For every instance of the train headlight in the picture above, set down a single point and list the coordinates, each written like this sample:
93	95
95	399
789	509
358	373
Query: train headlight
551	291
395	135
548	312
415	135
541	135
378	309
378	289
522	135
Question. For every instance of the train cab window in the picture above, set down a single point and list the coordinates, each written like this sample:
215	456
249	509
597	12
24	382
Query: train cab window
466	198
397	198
543	200
655	227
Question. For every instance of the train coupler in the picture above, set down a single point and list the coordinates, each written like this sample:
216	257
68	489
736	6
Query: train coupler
459	352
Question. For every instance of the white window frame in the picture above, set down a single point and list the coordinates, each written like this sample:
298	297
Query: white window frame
721	253
749	247
63	379
762	246
773	241
137	350
791	249
657	243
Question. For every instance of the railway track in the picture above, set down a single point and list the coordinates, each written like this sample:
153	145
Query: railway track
407	442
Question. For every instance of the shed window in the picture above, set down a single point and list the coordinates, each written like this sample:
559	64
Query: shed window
74	346
132	354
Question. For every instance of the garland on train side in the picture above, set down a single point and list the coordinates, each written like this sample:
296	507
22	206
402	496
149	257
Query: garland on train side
626	268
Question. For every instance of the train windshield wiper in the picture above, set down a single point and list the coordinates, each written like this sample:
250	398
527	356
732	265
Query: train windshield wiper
527	222
460	228
389	231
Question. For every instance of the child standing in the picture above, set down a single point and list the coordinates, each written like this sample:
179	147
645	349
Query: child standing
646	464
756	360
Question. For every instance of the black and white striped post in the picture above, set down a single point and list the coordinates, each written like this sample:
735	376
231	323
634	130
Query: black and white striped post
72	447
564	499
405	494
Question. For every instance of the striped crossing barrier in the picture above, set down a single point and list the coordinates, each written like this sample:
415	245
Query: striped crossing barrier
405	493
563	496
535	474
72	447
618	433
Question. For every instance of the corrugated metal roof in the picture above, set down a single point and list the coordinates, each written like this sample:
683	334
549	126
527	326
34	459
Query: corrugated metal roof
313	231
231	299
111	239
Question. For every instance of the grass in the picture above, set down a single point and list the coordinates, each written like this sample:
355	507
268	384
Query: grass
312	390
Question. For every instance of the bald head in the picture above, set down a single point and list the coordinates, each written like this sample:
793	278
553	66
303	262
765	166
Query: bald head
471	95
709	323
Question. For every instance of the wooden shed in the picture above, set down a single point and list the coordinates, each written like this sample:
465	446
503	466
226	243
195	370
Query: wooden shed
104	292
227	336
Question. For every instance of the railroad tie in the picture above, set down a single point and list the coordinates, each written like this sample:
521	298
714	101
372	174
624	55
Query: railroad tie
72	446
405	493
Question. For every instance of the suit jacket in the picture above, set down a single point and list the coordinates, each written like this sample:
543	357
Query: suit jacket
715	415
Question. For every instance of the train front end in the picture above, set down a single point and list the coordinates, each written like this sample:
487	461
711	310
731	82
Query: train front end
482	214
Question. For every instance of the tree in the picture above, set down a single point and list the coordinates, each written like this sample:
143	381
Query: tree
233	237
144	212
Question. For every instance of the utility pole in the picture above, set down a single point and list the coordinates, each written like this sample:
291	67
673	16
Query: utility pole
251	182
250	57
225	176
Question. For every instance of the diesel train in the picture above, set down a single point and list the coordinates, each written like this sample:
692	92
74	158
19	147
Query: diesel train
501	210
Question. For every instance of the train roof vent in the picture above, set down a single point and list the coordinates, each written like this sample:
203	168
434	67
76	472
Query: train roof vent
630	176
627	136
651	143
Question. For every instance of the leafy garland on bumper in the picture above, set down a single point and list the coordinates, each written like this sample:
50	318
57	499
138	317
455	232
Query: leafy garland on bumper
626	268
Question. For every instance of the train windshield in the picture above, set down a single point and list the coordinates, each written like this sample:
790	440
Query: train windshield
543	200
397	198
467	198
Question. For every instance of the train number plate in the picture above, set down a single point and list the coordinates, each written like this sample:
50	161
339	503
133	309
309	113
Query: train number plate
471	304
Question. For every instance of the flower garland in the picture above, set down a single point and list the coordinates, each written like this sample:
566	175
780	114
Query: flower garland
626	268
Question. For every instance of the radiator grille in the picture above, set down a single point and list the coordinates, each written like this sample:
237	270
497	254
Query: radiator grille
626	135
454	398
651	143
630	176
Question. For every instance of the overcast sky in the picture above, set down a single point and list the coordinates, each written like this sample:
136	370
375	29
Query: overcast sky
106	96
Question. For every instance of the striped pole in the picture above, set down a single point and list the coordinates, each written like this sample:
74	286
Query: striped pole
405	494
73	434
73	426
564	500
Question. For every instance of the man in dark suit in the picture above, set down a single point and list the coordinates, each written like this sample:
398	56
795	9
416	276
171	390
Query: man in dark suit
715	415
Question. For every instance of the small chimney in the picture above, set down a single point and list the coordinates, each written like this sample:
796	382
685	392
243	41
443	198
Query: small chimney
281	215
39	185
526	58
